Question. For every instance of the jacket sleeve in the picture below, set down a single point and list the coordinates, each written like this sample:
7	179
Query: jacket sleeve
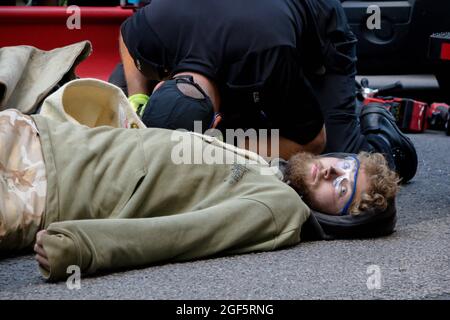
234	226
335	88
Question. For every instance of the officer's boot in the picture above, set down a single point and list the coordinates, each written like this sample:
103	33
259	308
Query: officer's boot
379	126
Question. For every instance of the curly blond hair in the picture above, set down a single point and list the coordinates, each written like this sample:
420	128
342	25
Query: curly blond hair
383	184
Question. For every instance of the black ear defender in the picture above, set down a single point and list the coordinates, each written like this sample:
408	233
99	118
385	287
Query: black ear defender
367	224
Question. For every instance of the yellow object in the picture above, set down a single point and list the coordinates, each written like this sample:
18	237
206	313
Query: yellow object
138	101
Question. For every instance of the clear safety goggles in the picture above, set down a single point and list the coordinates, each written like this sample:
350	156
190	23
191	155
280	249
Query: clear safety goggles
349	166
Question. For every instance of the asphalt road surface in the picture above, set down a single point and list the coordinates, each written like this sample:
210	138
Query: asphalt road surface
413	263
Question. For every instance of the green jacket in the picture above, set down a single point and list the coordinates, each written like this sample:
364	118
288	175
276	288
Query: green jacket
116	199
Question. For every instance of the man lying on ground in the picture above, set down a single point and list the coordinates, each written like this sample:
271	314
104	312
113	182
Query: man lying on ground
107	198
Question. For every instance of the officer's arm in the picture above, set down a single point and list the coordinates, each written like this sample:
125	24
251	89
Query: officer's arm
136	81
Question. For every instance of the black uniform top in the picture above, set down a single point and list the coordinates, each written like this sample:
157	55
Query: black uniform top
259	52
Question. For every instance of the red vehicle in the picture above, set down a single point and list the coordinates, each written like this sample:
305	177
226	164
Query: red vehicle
46	28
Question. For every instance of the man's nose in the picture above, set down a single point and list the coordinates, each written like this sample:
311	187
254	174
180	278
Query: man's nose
331	173
327	173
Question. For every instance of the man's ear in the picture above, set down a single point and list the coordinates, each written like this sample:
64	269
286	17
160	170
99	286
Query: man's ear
217	119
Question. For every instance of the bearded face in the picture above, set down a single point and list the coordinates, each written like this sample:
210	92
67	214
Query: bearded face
326	184
297	173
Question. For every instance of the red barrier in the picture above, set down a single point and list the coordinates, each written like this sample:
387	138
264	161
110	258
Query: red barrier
45	28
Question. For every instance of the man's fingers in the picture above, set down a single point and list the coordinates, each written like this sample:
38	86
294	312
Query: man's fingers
43	262
41	255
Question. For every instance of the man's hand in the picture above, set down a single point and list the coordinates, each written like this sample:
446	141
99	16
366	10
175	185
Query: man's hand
41	256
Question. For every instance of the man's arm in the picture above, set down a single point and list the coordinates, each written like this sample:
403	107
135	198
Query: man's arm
136	81
234	226
287	147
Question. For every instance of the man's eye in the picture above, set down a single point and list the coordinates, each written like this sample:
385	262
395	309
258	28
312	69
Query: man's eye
343	191
346	165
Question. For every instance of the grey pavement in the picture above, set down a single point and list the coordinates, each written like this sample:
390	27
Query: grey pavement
413	263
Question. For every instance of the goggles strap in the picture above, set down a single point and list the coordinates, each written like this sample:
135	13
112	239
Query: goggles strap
349	202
